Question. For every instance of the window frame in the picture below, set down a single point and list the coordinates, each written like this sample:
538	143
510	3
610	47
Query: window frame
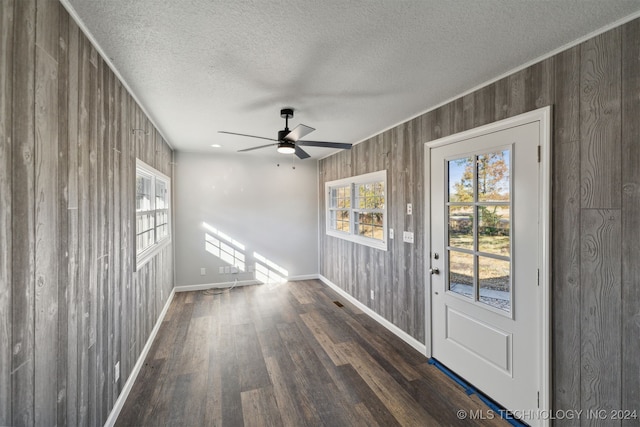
352	183
144	255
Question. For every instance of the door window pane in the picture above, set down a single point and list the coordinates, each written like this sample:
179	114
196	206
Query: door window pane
493	230
461	179
461	227
461	272
494	282
493	177
479	227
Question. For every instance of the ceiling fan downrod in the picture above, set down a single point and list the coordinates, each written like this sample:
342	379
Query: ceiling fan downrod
286	114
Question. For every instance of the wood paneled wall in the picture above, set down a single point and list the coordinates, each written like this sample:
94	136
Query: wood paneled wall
71	303
594	89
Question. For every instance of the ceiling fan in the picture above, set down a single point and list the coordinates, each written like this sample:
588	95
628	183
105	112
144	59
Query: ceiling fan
289	142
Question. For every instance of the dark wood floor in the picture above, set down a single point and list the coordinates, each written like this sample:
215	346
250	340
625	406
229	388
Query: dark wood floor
286	355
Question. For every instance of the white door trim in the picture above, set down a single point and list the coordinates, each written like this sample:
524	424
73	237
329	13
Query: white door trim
544	117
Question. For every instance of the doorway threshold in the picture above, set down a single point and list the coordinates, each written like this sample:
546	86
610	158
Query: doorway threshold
495	408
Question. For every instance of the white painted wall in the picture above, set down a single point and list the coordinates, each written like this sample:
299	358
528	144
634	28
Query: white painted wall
271	210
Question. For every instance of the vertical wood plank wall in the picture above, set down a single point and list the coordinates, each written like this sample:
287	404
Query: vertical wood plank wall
71	303
6	126
594	89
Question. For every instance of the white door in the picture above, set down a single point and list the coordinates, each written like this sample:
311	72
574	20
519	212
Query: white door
485	241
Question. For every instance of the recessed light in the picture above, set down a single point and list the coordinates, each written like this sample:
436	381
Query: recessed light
216	145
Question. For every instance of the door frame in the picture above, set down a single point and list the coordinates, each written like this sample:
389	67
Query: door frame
544	117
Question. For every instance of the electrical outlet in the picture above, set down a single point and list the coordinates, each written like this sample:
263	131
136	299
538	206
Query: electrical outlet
373	294
407	237
227	270
203	271
409	209
116	371
220	270
391	233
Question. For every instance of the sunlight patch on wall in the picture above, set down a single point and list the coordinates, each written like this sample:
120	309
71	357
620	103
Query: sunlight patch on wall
224	247
268	271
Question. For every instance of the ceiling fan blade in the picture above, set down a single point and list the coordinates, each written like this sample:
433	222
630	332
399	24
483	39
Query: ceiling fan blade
341	145
301	153
298	132
244	134
256	148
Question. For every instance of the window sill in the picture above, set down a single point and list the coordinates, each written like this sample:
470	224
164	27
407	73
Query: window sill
150	253
365	241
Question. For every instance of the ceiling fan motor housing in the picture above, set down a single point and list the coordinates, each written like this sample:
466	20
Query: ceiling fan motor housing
282	134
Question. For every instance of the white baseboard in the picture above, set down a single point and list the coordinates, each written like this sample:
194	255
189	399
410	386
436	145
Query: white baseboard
205	286
117	407
375	316
304	277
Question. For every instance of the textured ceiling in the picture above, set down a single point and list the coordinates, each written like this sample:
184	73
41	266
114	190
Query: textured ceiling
350	68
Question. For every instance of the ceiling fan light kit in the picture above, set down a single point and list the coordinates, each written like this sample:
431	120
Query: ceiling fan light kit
286	147
289	142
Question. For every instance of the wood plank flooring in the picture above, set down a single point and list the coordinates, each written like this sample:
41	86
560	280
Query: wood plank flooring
287	355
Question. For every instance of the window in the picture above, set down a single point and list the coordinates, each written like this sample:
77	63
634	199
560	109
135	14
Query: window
356	209
152	211
340	208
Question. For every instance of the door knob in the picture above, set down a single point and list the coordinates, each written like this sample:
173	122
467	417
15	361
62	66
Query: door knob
434	270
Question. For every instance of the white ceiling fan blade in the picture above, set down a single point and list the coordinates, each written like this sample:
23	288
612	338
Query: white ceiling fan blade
299	132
